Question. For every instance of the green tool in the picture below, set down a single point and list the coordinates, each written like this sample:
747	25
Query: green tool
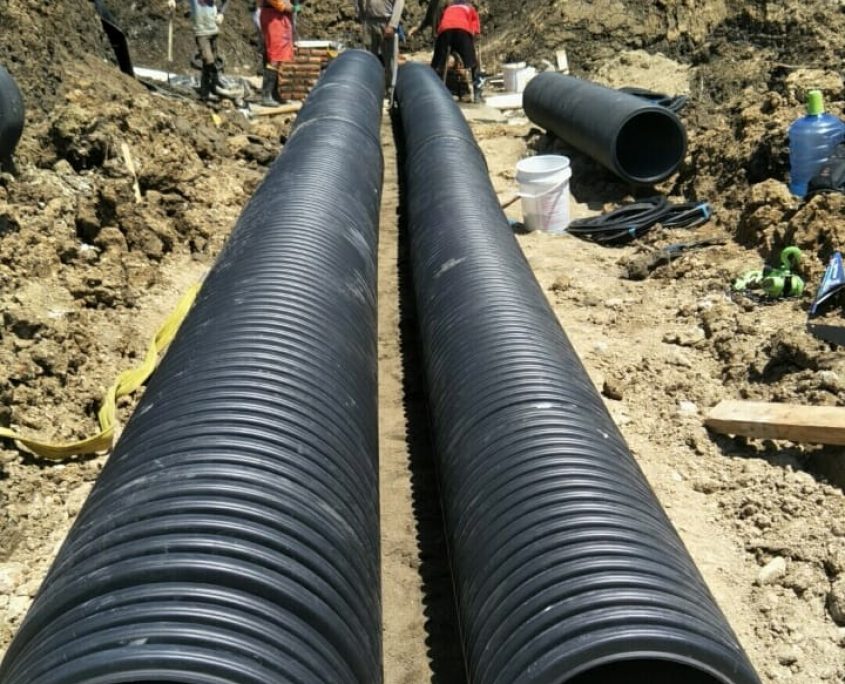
775	282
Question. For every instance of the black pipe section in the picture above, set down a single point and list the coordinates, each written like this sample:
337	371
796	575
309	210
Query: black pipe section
641	142
117	39
11	119
566	567
233	536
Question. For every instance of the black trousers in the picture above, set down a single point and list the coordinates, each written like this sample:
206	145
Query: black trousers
454	40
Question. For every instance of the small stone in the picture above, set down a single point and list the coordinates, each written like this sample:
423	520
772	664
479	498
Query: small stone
829	380
835	561
836	602
687	408
561	284
30	588
685	338
772	571
76	498
805	580
600	347
613	388
706	485
17	606
63	167
787	655
11	576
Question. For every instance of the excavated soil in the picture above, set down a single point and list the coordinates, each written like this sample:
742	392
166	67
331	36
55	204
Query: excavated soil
87	272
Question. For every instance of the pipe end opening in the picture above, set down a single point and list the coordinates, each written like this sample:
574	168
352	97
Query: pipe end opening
651	670
650	146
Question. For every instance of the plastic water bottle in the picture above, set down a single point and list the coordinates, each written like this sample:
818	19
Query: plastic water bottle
811	140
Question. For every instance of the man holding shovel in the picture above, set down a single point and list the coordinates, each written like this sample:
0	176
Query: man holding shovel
206	18
380	21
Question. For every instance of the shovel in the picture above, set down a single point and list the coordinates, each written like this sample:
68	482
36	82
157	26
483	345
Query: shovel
169	46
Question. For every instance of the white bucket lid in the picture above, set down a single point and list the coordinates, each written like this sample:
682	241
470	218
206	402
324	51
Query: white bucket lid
513	66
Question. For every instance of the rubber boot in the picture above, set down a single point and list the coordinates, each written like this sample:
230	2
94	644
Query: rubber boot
477	85
268	87
217	86
206	82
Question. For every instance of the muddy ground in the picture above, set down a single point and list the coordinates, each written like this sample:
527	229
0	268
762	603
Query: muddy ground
87	273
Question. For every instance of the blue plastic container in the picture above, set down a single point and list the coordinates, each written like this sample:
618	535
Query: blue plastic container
811	140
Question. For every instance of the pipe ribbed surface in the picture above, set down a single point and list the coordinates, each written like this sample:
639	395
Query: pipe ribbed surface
566	567
233	536
640	142
11	118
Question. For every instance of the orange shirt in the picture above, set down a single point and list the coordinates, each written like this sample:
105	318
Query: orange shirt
462	17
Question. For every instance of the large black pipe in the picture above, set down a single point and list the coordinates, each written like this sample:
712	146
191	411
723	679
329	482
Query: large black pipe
11	119
641	142
566	567
233	536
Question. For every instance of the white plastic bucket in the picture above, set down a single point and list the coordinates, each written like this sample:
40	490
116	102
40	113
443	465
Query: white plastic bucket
516	76
544	191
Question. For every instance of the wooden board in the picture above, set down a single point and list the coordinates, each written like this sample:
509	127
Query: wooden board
796	423
281	109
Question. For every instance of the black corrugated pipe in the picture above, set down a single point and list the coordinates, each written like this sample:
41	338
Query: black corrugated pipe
11	119
641	142
566	567
233	536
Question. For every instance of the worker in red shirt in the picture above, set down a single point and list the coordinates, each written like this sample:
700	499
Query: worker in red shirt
276	20
459	24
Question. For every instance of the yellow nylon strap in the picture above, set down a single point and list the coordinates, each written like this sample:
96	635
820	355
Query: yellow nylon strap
126	383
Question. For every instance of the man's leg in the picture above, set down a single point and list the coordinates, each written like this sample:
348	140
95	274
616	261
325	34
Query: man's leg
441	53
207	59
462	42
390	59
215	72
374	36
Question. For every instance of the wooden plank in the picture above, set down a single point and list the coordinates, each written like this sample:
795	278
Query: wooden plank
796	423
281	109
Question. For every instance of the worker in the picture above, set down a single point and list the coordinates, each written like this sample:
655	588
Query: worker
206	18
255	14
380	21
456	32
277	29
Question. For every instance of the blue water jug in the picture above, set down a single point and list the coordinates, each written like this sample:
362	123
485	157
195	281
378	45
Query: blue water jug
811	140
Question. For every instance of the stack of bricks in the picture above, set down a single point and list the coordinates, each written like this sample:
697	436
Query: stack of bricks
297	78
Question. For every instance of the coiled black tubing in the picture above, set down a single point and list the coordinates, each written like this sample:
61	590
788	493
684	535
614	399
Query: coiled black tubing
233	535
566	567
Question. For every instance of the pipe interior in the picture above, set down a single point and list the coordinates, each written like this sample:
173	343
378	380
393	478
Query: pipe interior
644	671
650	146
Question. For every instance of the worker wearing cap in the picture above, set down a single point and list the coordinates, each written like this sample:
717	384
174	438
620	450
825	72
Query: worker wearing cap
380	21
206	17
277	29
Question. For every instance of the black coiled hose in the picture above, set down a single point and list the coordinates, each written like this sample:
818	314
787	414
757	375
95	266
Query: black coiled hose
631	221
674	103
566	567
233	536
